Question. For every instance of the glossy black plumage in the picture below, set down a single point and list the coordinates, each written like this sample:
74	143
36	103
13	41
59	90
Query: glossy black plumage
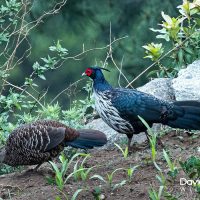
40	141
120	107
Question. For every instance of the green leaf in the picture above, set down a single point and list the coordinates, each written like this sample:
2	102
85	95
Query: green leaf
42	76
36	66
180	56
59	177
167	18
98	177
70	175
58	198
75	195
146	124
124	152
168	160
160	191
119	184
189	50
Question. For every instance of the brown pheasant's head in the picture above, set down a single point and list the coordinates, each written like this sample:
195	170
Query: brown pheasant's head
2	154
94	72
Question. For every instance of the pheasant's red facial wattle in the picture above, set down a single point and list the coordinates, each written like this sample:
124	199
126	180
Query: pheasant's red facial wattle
88	71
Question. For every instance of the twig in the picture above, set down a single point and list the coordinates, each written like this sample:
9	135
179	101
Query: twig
39	98
65	90
96	48
110	55
119	79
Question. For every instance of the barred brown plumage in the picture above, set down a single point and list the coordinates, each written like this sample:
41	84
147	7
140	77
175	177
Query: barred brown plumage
40	141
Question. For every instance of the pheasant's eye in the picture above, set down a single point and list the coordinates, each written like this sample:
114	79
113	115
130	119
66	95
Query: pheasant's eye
88	72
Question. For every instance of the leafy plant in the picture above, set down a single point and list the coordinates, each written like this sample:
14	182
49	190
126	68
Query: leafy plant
75	115
74	197
181	40
154	195
169	196
78	112
109	179
50	112
173	170
80	172
124	152
191	167
153	51
161	178
5	169
59	173
152	139
130	172
60	179
162	192
96	192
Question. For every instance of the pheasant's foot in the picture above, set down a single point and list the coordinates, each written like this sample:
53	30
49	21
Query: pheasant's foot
133	148
160	142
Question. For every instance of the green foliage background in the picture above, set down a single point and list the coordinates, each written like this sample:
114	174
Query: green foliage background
88	22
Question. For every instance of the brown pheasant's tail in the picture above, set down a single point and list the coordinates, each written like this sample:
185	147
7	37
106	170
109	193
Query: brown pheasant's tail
88	139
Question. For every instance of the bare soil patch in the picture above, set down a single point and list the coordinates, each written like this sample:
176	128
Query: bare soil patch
27	185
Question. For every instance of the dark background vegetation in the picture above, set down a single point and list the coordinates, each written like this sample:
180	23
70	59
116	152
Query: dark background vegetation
88	22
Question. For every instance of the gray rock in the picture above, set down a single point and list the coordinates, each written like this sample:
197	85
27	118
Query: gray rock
187	85
111	134
160	88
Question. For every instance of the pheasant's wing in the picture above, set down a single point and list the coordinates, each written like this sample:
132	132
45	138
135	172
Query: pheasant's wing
131	103
56	136
37	137
70	133
51	123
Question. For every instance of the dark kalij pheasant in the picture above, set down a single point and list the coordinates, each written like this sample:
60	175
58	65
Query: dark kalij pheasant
120	108
38	142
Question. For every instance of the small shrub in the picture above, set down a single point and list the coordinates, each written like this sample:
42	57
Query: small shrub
180	36
109	179
173	170
124	152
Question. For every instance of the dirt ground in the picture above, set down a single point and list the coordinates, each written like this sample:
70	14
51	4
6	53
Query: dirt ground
27	185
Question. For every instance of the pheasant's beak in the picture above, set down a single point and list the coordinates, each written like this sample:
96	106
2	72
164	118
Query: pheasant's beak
83	74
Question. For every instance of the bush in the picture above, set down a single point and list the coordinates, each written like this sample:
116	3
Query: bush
181	40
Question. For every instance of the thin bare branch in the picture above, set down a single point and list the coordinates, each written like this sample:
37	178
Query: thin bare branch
75	83
120	73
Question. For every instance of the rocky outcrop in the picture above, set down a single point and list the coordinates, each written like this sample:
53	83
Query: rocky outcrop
159	87
187	85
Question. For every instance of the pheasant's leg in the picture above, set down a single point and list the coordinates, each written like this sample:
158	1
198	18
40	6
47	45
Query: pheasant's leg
36	168
130	149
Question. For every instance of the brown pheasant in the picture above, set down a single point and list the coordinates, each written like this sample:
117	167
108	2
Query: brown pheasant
38	142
